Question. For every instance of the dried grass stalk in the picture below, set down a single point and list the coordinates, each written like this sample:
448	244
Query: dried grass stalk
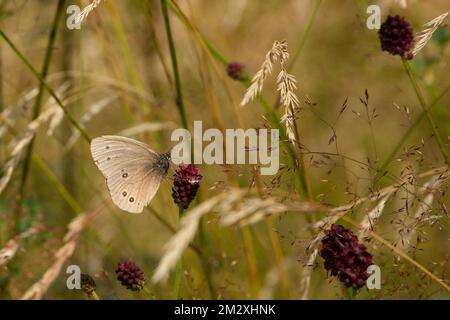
188	227
75	228
402	3
371	217
147	127
9	115
93	110
305	280
86	11
425	35
58	116
251	210
10	249
8	168
272	279
242	211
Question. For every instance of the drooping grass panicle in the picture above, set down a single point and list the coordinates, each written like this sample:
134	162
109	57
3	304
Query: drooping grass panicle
305	280
371	218
422	37
10	249
188	227
86	11
21	145
286	85
278	49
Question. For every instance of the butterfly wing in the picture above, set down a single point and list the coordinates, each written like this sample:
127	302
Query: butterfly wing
129	168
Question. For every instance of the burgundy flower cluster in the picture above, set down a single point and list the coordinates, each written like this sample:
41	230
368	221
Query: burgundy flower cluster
235	70
345	257
396	36
130	275
186	182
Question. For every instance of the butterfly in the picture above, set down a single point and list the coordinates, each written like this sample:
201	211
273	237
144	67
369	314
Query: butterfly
132	170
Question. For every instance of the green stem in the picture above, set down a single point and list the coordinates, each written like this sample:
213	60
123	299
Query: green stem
178	268
123	44
426	110
181	109
351	293
177	283
179	95
73	204
38	101
309	24
27	63
205	263
148	293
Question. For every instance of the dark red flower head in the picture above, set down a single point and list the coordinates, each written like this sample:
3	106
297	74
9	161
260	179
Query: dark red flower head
345	257
396	36
130	275
235	70
186	182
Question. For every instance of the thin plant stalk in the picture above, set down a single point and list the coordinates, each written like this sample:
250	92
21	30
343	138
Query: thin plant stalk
70	200
38	101
148	293
276	245
177	283
122	40
299	182
49	89
305	34
426	110
178	269
181	109
150	21
407	134
279	257
179	94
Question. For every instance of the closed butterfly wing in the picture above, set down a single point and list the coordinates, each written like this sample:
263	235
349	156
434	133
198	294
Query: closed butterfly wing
131	170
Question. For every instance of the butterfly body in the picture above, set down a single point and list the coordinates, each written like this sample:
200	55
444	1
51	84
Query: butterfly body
133	171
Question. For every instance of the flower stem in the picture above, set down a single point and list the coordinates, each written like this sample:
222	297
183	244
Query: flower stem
180	104
309	24
148	293
423	104
351	293
176	286
179	95
178	268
